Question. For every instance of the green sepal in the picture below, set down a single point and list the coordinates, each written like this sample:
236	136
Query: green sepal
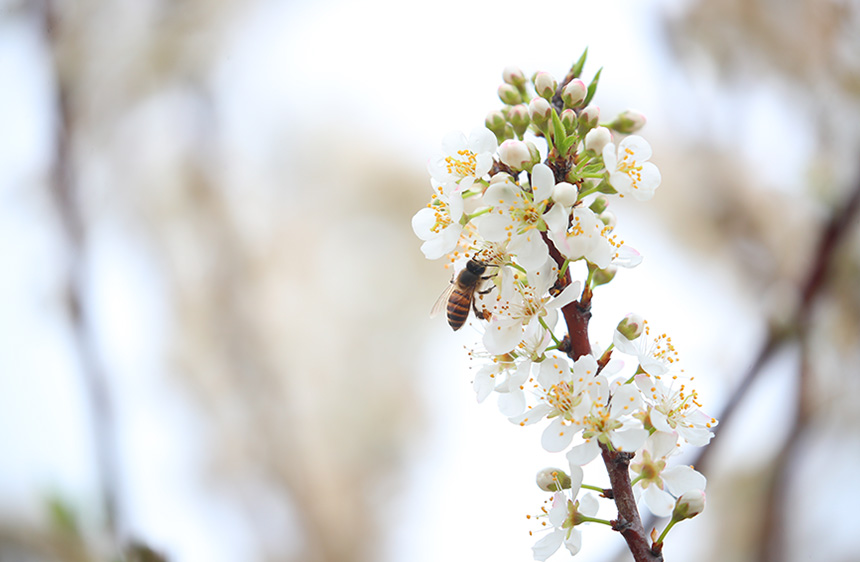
576	69
568	143
605	187
592	88
558	133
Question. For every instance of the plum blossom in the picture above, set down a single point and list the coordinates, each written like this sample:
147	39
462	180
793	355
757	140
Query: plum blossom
611	421
629	173
656	356
660	486
463	160
675	409
529	307
438	224
519	215
565	515
588	237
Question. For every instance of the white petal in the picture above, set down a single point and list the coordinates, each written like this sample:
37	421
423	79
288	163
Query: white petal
532	252
638	145
625	400
548	545
422	222
567	296
682	479
660	502
502	338
610	158
576	476
573	542
695	436
584	453
512	403
557	436
532	416
556	218
493	226
629	440
588	505
625	256
662	444
543	181
442	244
484	383
454	142
481	139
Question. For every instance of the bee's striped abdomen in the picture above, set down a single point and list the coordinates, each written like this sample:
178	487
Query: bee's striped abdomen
458	308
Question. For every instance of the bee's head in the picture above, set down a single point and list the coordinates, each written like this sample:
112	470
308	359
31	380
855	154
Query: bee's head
475	266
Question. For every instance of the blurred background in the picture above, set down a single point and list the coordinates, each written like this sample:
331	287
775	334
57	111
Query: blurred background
214	332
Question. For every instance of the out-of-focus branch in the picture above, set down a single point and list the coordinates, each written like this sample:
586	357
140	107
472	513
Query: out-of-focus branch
64	193
842	218
832	234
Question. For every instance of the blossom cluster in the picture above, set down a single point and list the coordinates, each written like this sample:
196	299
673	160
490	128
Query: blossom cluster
513	205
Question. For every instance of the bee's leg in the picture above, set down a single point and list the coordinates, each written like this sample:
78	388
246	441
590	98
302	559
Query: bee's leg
480	314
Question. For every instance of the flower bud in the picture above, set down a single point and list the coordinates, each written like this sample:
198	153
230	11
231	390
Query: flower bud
631	327
599	205
545	85
574	93
508	134
514	76
604	276
628	122
509	94
608	218
519	118
540	111
568	119
515	154
689	505
495	121
597	138
565	194
588	118
552	480
535	153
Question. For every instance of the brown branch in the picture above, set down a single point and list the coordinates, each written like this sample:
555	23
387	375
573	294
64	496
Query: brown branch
628	522
64	193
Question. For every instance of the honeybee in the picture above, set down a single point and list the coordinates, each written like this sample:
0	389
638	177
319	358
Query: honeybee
459	296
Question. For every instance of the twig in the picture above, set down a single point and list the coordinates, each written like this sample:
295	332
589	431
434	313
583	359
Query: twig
63	190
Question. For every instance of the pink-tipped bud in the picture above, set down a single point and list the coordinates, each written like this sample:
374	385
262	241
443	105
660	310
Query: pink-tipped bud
495	121
628	122
632	326
514	76
597	138
574	93
545	85
568	120
509	95
588	118
519	118
689	505
552	480
540	111
515	154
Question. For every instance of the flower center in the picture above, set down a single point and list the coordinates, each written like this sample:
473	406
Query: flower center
464	166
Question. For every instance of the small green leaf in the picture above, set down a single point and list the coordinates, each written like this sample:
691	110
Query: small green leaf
558	132
592	88
576	69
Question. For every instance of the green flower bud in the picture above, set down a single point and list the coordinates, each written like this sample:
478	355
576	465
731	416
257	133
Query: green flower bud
515	154
689	505
519	118
568	119
599	205
552	480
514	76
545	85
632	326
540	112
574	93
604	276
608	218
495	121
588	118
628	122
509	95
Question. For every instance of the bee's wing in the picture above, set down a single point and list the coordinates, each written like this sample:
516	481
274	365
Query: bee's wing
442	302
